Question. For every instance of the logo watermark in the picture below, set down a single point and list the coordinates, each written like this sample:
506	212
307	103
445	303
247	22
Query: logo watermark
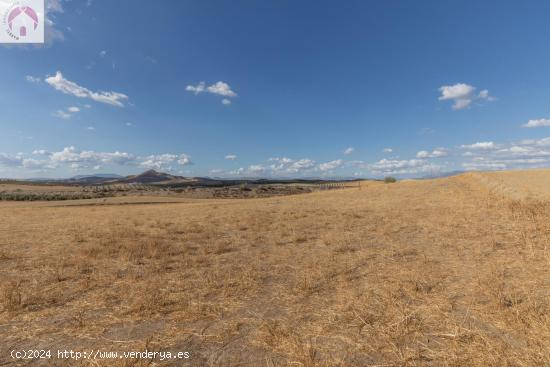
22	21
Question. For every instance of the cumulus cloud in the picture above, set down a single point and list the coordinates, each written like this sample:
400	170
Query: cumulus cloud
462	95
387	150
530	153
256	168
231	157
288	165
93	158
9	160
436	153
483	166
329	166
273	167
197	89
68	87
159	161
220	88
410	166
89	157
537	123
19	161
74	158
301	165
349	151
62	114
184	160
66	114
482	145
33	164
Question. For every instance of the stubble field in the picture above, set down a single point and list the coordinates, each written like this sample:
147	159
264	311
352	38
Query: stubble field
446	272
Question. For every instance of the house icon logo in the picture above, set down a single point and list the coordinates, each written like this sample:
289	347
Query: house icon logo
22	21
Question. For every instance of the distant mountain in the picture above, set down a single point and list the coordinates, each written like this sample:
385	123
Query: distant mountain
150	176
161	179
95	178
99	175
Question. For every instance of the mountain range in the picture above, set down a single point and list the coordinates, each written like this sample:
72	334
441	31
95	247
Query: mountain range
152	177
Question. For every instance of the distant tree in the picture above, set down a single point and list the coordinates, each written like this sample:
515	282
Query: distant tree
389	179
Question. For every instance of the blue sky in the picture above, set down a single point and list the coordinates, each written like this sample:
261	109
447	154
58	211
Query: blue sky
279	89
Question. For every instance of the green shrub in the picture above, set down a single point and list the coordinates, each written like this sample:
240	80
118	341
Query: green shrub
389	179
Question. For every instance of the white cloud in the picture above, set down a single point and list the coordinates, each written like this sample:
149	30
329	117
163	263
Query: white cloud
68	87
10	161
32	79
199	88
537	123
102	53
184	160
462	95
220	88
73	158
522	154
129	124
483	145
51	32
34	164
329	166
274	167
91	128
301	165
288	165
231	157
387	150
89	158
436	153
65	115
159	161
349	151
256	168
62	114
18	161
411	166
475	166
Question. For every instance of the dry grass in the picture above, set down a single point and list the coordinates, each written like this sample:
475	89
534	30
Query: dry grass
433	273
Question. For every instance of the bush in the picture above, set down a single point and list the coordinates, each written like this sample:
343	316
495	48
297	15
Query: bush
389	179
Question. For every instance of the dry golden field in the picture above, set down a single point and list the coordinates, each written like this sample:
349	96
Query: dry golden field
445	272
